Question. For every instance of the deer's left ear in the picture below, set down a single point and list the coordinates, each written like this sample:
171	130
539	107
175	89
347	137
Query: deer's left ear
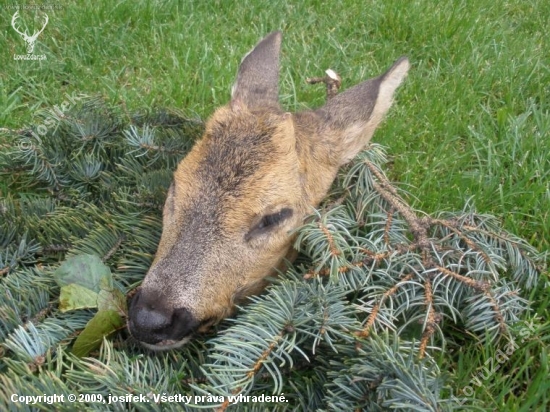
258	76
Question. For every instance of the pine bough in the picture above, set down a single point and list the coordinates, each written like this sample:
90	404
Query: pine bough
352	325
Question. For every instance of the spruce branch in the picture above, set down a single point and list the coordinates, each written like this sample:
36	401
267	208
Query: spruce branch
333	333
43	166
425	267
438	254
384	374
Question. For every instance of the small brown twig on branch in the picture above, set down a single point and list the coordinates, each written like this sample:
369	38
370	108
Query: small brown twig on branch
256	367
372	317
431	319
471	244
332	81
114	249
387	228
333	249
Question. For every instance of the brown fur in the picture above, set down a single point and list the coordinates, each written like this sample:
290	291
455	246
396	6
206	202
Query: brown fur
253	161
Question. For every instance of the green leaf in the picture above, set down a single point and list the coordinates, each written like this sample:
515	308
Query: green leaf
112	300
84	270
102	324
74	297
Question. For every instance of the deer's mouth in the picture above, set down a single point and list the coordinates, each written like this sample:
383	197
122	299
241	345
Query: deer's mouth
166	344
169	344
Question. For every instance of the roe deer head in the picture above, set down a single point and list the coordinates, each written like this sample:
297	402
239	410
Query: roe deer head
236	197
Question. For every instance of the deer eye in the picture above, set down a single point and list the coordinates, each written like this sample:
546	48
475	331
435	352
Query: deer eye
274	219
268	222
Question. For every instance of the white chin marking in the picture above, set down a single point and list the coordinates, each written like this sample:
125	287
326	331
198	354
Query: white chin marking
166	344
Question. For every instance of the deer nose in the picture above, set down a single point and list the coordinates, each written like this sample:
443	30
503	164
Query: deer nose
151	321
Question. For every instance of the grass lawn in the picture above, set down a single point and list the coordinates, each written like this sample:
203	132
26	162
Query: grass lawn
471	123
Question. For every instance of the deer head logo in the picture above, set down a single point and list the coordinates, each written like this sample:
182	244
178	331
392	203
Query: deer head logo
30	40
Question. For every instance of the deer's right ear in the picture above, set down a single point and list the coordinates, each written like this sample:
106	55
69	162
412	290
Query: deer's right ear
257	81
351	117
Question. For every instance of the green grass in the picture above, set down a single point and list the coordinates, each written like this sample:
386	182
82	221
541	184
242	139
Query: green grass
471	123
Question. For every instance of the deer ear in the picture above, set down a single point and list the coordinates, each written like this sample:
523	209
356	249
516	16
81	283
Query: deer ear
350	118
258	75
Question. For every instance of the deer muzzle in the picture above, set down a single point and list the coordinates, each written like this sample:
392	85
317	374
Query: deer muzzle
158	326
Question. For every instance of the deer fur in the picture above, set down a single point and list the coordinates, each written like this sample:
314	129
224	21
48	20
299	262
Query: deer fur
243	188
